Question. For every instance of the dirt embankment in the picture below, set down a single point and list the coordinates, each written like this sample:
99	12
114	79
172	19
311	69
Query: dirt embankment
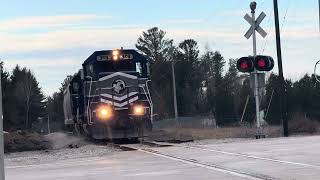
19	141
24	141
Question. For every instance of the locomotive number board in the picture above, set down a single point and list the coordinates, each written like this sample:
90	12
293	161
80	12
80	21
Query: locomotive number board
126	56
109	57
104	57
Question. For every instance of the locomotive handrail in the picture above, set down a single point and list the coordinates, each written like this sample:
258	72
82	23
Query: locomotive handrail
148	96
151	105
88	106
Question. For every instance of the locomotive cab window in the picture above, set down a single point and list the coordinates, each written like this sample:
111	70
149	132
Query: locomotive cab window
90	70
142	69
75	88
139	68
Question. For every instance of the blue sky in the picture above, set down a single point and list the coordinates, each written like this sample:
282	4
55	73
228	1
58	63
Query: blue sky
53	38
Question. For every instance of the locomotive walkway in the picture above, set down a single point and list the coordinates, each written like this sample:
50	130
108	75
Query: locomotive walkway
278	158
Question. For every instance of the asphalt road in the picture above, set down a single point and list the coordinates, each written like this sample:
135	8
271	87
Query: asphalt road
279	158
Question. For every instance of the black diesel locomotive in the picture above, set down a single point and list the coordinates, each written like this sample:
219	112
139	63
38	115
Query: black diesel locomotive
109	97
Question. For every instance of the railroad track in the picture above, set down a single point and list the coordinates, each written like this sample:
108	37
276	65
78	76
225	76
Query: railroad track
251	156
148	148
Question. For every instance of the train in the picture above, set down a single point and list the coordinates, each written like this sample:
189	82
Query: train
109	97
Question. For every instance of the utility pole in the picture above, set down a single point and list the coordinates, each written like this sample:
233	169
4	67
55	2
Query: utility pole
282	94
48	124
2	176
174	93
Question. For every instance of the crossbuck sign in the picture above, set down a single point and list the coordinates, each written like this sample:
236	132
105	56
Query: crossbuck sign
256	24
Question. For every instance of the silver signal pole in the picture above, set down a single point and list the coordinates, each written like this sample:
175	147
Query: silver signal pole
174	93
253	6
255	26
2	176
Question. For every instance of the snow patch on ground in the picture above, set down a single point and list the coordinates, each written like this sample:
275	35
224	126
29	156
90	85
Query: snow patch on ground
60	143
60	140
40	157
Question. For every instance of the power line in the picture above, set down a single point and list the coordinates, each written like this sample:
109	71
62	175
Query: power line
283	22
281	29
285	15
263	47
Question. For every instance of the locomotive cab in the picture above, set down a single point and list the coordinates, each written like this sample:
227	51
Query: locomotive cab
127	61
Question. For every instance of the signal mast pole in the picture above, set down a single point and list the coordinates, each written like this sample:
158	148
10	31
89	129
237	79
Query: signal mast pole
253	6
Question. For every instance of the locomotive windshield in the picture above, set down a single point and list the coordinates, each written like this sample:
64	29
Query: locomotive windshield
123	66
115	66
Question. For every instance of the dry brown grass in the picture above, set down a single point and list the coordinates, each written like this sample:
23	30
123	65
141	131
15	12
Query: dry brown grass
300	124
24	141
220	133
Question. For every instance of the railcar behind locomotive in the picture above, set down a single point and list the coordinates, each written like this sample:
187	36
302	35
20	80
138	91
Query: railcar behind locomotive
109	97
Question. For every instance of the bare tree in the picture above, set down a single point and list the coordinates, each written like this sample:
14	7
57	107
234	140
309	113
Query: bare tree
25	89
27	97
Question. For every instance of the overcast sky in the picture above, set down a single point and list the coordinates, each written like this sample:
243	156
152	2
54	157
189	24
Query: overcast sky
53	38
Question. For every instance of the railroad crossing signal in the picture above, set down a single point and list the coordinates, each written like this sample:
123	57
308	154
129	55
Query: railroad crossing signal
256	23
260	63
263	63
245	64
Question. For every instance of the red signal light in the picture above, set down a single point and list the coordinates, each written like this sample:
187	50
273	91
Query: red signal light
245	64
261	63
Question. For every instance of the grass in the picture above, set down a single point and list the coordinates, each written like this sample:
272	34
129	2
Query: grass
300	124
218	133
24	141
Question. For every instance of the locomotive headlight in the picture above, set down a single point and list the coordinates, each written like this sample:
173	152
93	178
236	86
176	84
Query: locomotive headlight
115	52
115	58
138	110
104	112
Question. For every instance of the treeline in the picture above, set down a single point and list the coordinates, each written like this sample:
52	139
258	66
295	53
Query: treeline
206	84
23	100
302	98
201	85
25	107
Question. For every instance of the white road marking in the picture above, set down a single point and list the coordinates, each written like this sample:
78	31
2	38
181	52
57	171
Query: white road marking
254	157
203	165
155	173
61	163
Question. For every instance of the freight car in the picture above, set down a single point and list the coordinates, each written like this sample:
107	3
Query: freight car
109	98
